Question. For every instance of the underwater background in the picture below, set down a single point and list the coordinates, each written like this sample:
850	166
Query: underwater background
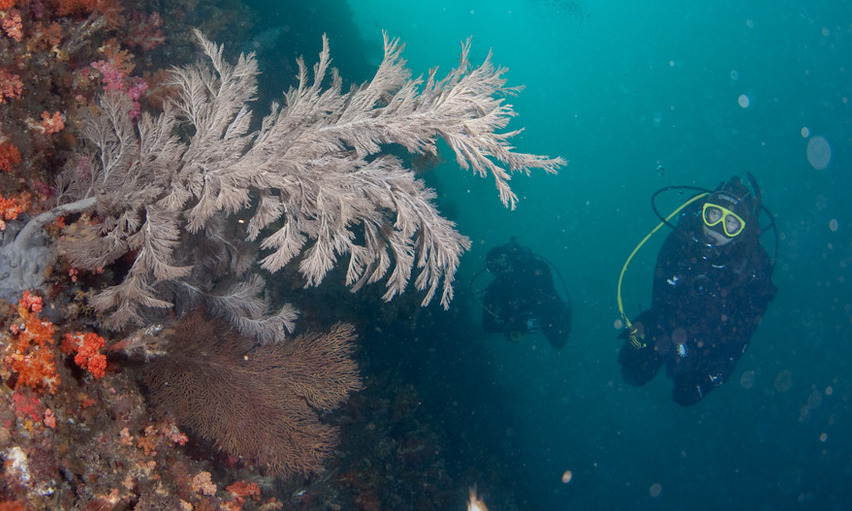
638	96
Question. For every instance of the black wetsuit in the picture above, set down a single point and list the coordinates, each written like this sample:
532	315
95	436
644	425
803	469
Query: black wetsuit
524	300
706	305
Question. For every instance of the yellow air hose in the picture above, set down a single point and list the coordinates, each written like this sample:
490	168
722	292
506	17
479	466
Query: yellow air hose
636	340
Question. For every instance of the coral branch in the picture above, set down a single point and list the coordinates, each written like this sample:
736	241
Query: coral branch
313	181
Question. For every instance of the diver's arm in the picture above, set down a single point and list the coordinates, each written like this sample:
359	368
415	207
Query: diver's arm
747	303
750	301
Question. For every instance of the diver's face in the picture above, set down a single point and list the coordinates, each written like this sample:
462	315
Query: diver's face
717	239
498	265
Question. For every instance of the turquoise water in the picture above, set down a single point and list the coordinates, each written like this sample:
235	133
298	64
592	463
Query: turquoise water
620	88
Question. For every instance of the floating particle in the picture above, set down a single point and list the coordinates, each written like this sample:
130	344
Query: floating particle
747	379
783	381
819	152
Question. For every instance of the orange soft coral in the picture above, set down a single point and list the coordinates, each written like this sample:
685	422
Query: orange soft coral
110	9
9	154
12	25
10	86
239	491
12	207
66	7
52	123
45	38
29	303
120	59
87	347
29	352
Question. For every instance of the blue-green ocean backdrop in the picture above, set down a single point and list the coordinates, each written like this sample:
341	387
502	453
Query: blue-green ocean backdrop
705	90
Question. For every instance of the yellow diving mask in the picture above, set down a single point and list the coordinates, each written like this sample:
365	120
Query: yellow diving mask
714	214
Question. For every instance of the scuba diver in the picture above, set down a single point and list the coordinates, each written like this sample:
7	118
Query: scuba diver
712	284
522	298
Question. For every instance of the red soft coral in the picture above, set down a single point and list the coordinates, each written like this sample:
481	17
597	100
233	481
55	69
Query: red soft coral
27	405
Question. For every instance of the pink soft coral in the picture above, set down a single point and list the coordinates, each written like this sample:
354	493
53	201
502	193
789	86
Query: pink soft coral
115	80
